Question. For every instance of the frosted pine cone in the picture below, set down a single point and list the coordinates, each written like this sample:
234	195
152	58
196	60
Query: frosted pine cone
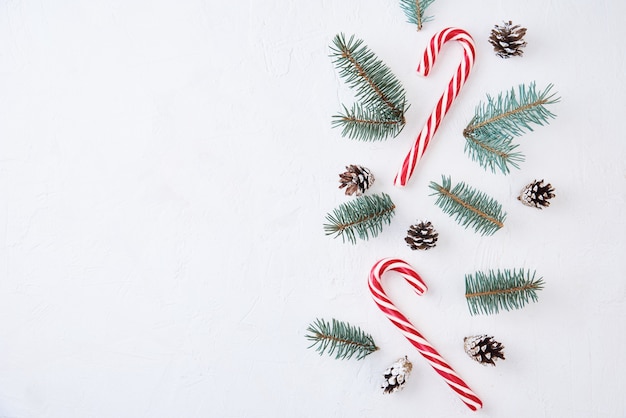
396	375
536	194
507	40
421	236
484	349
357	179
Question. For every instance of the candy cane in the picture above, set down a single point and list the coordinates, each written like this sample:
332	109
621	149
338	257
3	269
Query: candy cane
459	78
410	332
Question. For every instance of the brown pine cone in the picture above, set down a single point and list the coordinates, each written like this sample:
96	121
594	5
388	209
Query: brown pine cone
507	40
421	236
357	179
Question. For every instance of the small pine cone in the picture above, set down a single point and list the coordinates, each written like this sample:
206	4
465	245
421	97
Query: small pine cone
507	40
396	375
536	194
421	236
483	349
357	179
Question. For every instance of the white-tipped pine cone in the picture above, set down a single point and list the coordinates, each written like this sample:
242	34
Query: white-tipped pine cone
357	179
536	194
507	40
396	375
421	236
484	349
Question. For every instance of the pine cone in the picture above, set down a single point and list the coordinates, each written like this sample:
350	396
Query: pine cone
483	349
357	179
536	195
396	375
507	40
421	236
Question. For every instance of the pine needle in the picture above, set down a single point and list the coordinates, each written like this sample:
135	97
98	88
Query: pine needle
495	123
380	96
340	338
362	217
469	207
490	292
414	11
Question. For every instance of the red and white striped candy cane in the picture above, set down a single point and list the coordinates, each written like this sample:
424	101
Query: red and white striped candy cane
434	120
410	332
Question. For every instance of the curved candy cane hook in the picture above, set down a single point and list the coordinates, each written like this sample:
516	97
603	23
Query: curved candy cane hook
445	101
410	332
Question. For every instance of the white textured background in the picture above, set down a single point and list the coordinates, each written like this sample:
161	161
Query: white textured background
165	171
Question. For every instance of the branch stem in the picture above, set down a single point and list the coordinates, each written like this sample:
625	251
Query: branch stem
467	131
484	146
342	340
418	13
373	122
470	207
361	220
528	286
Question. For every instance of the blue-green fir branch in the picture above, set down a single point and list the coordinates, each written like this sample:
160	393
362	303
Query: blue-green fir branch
493	152
468	206
490	292
341	339
496	122
362	217
379	95
414	11
365	124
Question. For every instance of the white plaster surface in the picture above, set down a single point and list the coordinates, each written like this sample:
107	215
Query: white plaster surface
165	171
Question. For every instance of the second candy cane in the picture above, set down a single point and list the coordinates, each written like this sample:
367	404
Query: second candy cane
410	332
444	103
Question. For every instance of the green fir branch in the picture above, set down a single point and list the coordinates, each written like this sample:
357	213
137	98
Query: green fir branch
490	292
414	11
379	93
493	152
376	86
340	338
495	123
366	124
513	114
361	217
469	206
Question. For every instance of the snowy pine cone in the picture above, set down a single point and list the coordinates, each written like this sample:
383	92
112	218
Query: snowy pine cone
507	40
396	375
536	194
484	349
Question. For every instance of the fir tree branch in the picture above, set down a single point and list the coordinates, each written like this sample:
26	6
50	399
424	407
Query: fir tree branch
372	79
497	122
414	11
512	114
362	217
378	92
367	125
341	338
469	206
490	292
493	151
